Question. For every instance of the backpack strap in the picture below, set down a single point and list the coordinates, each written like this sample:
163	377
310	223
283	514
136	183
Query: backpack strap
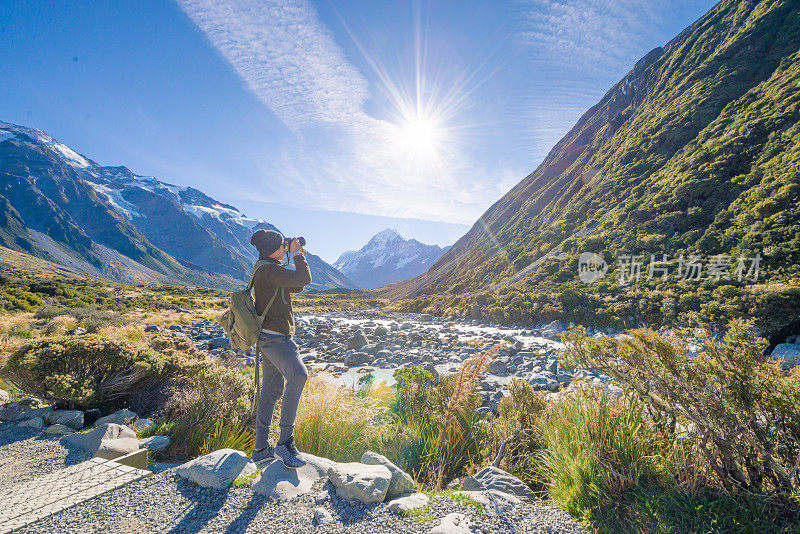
258	264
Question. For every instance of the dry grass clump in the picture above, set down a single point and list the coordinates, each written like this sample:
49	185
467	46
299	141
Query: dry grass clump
338	423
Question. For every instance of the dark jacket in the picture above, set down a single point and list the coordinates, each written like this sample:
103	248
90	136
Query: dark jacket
280	317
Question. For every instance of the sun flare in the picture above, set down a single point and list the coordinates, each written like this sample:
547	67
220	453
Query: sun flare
419	135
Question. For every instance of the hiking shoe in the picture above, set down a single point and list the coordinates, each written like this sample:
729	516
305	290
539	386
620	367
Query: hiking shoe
265	454
289	455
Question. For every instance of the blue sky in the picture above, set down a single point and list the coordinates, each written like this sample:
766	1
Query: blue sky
330	119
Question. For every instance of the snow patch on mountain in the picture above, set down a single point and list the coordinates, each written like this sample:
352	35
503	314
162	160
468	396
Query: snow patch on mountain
115	198
5	135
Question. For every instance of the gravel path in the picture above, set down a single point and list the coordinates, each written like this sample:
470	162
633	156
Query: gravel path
168	503
26	453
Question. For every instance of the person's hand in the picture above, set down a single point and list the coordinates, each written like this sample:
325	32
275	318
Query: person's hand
301	252
294	246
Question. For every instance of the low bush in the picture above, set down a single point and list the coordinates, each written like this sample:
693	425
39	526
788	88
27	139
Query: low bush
89	371
598	450
738	403
210	392
446	434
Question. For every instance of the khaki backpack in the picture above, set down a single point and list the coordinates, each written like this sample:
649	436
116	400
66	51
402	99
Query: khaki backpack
243	324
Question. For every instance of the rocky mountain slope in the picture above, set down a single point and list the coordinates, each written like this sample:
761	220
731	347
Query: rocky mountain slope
107	221
695	151
387	258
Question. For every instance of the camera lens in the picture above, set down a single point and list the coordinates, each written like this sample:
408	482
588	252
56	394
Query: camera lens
302	241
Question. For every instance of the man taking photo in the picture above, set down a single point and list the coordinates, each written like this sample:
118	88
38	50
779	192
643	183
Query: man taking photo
284	372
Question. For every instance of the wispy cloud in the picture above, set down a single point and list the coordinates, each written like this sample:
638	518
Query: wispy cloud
602	35
342	158
285	55
577	50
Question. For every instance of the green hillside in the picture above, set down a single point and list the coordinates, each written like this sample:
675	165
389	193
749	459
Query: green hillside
695	152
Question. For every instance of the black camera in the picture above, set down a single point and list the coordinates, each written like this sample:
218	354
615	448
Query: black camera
288	241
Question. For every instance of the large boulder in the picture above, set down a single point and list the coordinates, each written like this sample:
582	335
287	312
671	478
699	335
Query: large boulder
788	354
155	443
357	340
120	417
363	482
493	501
33	413
494	478
282	483
401	482
408	502
217	469
10	410
36	423
70	418
454	523
59	430
107	440
355	359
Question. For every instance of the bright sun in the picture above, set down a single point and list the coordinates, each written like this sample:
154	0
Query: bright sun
419	136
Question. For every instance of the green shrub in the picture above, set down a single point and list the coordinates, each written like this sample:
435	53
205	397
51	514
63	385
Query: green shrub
445	431
518	426
598	450
219	435
341	423
211	392
739	403
90	370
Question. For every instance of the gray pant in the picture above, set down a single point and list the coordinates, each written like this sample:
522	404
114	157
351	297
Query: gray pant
281	360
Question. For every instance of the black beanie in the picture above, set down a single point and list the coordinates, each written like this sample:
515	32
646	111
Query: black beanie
266	241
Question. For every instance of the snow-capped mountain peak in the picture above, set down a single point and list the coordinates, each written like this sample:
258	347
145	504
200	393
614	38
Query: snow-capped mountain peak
386	258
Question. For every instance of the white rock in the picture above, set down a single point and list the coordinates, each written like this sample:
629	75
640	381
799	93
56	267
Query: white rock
282	483
107	440
788	354
322	516
454	523
120	417
409	501
354	480
401	482
36	422
58	429
4	395
217	469
494	478
155	443
494	501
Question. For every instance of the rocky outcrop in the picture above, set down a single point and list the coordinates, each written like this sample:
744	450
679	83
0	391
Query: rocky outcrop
401	482
494	478
107	440
282	483
366	483
217	469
